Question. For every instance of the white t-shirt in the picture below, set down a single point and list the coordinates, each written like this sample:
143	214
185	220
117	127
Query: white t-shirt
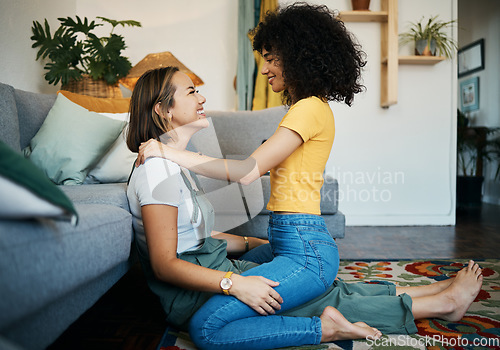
159	181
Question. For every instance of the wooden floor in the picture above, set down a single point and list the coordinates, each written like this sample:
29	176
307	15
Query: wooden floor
129	317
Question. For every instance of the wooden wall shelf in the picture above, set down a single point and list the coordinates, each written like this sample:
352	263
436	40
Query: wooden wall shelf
427	60
363	16
388	19
418	60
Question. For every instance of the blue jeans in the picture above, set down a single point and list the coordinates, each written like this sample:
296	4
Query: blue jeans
305	264
259	255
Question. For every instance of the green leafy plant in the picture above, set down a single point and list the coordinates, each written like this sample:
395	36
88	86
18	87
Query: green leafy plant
432	33
75	50
471	147
494	150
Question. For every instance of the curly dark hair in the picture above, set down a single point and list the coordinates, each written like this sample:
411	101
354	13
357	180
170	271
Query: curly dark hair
319	56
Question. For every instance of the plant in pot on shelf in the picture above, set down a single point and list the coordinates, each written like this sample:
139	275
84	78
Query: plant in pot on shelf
473	149
76	55
360	5
429	38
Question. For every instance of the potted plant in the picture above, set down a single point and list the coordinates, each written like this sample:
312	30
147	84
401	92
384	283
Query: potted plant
360	5
494	147
473	148
429	37
75	53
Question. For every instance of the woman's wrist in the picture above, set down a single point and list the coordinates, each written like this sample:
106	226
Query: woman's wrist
254	242
247	244
235	278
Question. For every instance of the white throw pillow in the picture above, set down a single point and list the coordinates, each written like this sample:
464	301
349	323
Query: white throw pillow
117	163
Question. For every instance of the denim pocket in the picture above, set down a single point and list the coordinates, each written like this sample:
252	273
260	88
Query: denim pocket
327	255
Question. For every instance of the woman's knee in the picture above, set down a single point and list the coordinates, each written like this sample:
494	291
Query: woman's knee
197	331
210	319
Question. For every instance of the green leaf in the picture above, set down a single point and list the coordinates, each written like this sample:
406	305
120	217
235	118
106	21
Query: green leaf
42	39
61	72
78	26
97	69
121	67
106	49
124	23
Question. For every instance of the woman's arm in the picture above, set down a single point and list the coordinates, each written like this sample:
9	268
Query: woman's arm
160	224
271	153
237	244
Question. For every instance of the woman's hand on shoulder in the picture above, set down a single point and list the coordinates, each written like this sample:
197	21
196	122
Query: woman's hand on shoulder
151	148
257	292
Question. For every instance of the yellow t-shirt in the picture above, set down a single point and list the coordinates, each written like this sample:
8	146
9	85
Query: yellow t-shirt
296	182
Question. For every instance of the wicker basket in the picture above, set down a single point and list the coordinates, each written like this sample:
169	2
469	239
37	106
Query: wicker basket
90	87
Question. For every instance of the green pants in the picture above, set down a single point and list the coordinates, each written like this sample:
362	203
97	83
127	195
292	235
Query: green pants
375	304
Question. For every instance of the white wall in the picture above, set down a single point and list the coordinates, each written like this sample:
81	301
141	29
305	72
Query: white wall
396	166
480	19
201	34
17	59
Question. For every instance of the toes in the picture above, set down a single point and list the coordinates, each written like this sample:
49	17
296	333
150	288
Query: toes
376	334
477	269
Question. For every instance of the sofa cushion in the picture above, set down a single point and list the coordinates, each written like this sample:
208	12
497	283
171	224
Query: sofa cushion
71	141
111	194
45	260
32	108
27	192
205	141
9	124
242	132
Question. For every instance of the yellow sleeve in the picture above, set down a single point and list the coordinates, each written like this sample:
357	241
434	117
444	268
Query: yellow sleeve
304	118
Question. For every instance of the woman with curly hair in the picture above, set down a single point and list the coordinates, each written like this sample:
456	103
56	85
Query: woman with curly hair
184	259
312	59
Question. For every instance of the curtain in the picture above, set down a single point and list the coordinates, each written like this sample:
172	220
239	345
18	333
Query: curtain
246	61
264	96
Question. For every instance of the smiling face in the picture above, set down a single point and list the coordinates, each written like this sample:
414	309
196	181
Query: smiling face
273	69
187	109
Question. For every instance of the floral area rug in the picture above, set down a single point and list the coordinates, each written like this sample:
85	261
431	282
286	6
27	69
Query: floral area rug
478	329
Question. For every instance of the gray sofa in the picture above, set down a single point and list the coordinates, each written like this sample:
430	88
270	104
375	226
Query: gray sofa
51	272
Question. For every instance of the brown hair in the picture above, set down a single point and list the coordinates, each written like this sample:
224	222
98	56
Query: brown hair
154	86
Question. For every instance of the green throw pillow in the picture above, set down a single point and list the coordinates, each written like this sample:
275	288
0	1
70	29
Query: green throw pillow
27	192
71	141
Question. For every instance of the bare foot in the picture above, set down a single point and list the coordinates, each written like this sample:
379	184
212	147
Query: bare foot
462	292
429	289
334	326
